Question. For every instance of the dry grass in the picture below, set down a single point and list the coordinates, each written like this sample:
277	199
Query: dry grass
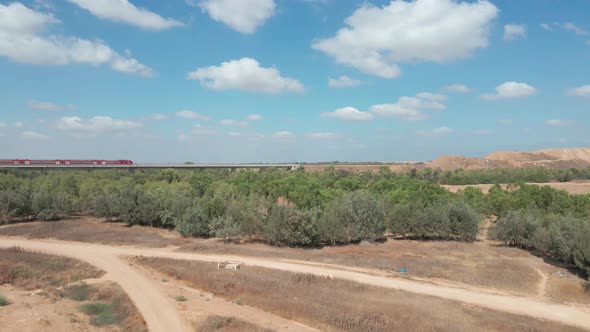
473	264
339	305
93	230
568	289
54	276
110	305
29	270
227	324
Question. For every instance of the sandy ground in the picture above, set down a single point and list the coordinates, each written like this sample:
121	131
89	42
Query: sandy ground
33	311
199	305
570	187
162	314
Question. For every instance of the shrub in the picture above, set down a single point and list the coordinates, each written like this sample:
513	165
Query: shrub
292	227
454	220
78	292
106	205
102	313
463	221
3	301
226	227
516	228
180	298
193	222
356	216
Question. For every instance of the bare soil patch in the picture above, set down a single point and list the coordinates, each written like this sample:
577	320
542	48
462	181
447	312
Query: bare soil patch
465	263
46	291
32	271
94	230
339	305
43	311
563	287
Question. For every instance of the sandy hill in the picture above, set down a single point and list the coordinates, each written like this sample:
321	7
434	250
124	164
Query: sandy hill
549	158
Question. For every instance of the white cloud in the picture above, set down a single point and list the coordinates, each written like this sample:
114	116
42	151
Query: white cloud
247	75
158	117
514	31
19	124
254	117
457	88
283	134
126	12
560	123
588	42
34	136
48	106
97	124
186	114
510	90
244	16
324	136
433	97
441	131
45	4
231	122
343	82
3	125
203	130
234	134
576	29
505	122
567	26
348	114
411	108
581	91
393	110
482	132
25	38
376	39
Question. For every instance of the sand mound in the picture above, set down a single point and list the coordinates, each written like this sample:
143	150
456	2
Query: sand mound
549	158
456	162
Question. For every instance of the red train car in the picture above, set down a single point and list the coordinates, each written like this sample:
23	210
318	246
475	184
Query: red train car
63	162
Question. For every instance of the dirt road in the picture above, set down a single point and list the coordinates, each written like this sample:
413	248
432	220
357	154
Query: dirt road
160	313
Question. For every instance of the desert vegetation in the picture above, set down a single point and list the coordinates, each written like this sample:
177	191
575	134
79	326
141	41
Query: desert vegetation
227	324
307	209
61	278
30	271
107	304
338	305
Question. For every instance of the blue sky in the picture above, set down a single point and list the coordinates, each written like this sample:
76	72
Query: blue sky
291	80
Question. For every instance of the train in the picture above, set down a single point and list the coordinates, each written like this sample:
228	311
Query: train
64	162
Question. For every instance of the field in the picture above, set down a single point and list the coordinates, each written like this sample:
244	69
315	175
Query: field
55	290
373	251
482	267
338	305
483	264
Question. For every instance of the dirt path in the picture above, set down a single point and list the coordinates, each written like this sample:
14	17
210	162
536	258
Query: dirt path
161	315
